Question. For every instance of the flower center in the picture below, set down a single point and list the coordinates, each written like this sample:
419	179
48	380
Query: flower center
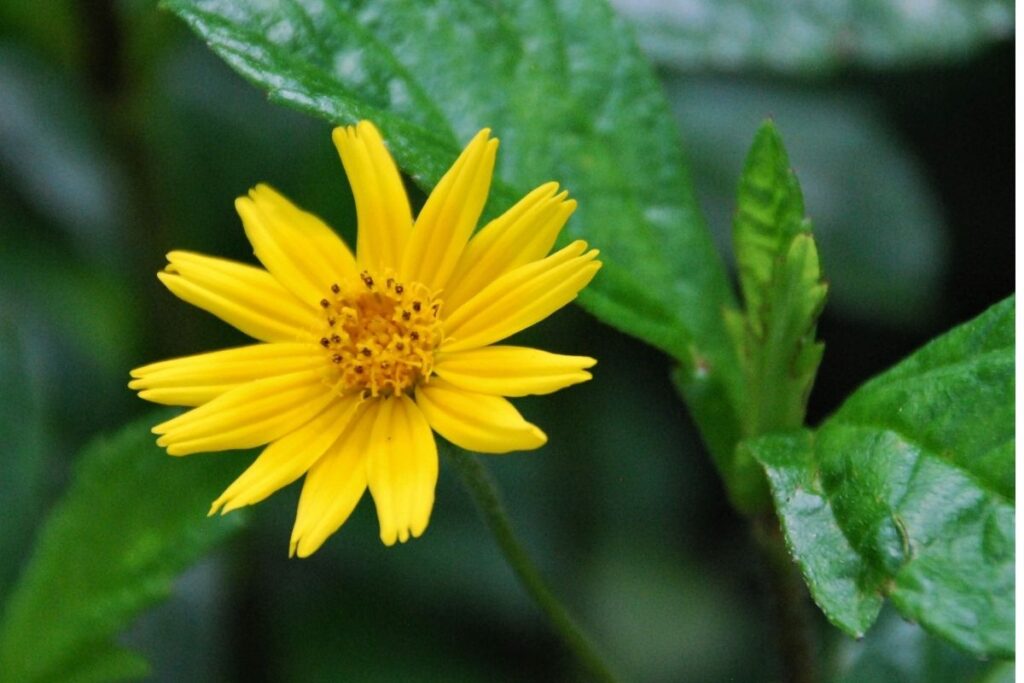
380	336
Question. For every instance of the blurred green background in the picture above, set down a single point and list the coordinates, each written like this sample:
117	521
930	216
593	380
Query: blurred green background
122	137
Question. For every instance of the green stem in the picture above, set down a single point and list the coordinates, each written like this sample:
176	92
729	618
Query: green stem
485	494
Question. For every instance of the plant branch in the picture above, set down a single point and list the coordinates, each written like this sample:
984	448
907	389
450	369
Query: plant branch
485	494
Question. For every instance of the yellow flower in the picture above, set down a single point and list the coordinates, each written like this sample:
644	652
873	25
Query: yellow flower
361	356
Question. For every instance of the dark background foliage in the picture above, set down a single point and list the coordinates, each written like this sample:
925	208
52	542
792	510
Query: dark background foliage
122	137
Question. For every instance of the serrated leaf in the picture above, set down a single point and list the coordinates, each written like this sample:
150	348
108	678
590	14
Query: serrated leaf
907	492
886	257
131	521
783	356
769	214
565	88
783	290
815	36
783	294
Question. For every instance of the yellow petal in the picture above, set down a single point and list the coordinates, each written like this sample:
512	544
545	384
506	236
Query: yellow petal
476	422
523	234
250	415
194	380
245	297
288	458
511	370
520	298
382	207
402	470
298	248
450	214
334	485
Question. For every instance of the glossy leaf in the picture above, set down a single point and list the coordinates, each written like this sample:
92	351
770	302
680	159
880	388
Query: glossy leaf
907	492
561	84
815	36
131	521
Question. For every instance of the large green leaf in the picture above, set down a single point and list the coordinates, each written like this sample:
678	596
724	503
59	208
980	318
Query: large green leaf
131	521
814	36
907	491
571	97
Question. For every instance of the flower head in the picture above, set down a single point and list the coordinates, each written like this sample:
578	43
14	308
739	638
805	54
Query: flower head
362	356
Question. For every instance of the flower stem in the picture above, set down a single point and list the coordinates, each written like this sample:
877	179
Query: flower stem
485	494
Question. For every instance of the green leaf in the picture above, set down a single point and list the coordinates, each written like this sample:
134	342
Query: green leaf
907	491
131	521
769	215
571	97
955	397
783	290
886	258
783	294
815	36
